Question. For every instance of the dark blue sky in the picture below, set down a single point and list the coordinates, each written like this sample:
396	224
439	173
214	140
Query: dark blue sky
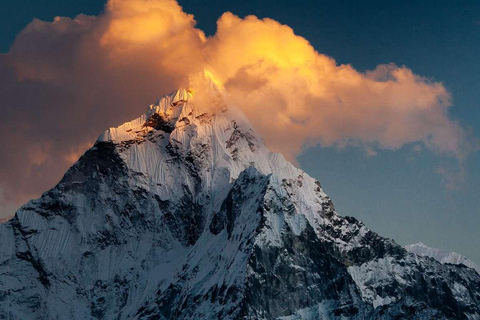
396	193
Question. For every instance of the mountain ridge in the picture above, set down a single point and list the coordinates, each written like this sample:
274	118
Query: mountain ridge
442	256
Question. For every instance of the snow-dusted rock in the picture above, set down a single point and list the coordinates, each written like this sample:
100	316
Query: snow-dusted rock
183	213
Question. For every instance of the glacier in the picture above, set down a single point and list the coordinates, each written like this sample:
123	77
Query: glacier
184	213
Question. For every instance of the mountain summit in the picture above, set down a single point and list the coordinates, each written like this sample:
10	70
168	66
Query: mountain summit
183	213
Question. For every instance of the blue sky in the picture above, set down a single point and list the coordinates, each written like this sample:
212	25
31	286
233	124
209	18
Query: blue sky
398	194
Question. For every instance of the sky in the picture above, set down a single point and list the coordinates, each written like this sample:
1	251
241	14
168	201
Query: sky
378	100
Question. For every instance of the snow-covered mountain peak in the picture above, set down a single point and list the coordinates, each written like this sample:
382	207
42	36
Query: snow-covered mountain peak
191	136
199	121
184	213
442	256
419	245
183	120
203	99
194	140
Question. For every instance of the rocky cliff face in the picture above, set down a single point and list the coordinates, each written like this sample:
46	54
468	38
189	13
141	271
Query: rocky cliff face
185	214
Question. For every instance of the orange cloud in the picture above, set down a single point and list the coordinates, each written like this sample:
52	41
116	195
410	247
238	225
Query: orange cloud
64	82
295	95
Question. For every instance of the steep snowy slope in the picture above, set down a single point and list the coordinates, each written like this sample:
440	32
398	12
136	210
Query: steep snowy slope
183	213
442	256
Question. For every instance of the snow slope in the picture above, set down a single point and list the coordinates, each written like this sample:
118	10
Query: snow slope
183	213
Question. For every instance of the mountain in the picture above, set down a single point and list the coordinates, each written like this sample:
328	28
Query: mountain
183	213
441	256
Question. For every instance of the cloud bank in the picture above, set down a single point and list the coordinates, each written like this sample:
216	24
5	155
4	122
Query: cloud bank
63	82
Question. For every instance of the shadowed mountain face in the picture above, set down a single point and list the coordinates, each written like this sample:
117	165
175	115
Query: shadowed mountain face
185	214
